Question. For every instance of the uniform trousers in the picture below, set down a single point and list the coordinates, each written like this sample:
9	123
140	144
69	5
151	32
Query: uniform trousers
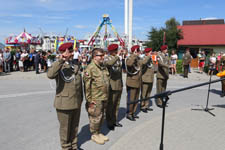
69	122
186	70
223	86
161	87
146	89
132	95
113	106
96	111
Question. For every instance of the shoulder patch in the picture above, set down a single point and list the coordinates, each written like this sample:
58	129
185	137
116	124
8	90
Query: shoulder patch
86	73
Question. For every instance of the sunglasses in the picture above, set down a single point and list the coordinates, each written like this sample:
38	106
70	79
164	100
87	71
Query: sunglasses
100	55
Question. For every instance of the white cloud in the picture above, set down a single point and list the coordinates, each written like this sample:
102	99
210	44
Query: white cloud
22	15
80	26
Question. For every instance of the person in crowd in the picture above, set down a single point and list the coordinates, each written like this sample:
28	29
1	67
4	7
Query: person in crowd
69	96
222	63
25	60
147	80
96	86
133	82
186	62
201	58
173	59
1	61
17	59
7	60
37	60
212	64
113	63
162	73
76	56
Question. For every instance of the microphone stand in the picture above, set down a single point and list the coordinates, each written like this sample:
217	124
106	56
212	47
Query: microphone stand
165	98
207	109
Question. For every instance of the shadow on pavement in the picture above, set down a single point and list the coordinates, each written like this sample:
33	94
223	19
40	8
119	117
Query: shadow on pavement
220	106
218	92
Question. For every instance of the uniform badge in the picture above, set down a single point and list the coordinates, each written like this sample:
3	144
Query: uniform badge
86	73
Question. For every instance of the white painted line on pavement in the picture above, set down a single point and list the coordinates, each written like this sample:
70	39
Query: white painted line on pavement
25	94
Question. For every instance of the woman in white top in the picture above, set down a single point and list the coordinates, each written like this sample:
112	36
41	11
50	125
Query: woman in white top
212	64
173	58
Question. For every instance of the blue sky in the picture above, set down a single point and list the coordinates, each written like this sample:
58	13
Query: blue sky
82	17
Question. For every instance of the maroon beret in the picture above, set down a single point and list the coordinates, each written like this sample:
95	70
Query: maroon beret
135	47
147	50
65	46
113	47
163	47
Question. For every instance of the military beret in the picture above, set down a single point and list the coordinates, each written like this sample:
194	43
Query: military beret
163	47
112	47
147	50
135	47
65	46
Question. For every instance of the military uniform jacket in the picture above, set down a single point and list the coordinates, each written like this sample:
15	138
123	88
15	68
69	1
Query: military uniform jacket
147	70
69	95
186	59
133	80
115	70
96	82
163	66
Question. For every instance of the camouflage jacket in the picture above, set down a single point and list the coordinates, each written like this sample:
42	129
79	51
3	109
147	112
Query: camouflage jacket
69	95
163	66
114	66
96	82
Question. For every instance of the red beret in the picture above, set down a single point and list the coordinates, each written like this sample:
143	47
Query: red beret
64	46
135	47
147	50
163	47
112	47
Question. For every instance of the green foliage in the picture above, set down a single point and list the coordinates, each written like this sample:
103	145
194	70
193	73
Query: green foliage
172	35
179	66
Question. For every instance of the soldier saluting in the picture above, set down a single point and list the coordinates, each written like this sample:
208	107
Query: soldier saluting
114	66
163	72
133	81
68	97
96	81
147	80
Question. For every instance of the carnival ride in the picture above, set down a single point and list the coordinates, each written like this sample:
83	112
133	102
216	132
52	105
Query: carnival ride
106	21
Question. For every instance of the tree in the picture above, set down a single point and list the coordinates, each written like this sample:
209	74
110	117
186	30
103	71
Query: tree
172	35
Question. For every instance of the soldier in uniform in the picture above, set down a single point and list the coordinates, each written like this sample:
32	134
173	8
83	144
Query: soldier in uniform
222	63
68	97
96	81
186	62
147	80
133	81
114	66
163	72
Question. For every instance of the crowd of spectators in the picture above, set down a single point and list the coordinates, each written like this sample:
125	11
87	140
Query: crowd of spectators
39	61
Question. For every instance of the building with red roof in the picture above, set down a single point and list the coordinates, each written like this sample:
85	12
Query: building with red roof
202	35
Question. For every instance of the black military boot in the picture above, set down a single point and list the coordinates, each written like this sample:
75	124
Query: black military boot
130	117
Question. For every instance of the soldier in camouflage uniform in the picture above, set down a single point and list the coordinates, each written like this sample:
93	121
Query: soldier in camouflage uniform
147	80
96	81
133	81
186	62
162	73
114	66
222	63
68	97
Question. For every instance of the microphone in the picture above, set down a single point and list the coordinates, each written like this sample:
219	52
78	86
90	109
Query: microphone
221	74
